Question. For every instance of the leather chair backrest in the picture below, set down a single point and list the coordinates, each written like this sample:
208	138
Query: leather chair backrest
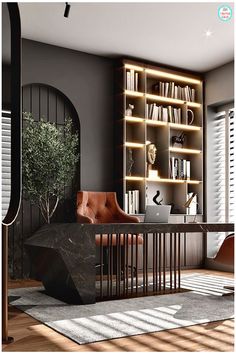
101	207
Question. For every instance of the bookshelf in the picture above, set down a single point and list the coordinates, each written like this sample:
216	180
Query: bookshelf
165	104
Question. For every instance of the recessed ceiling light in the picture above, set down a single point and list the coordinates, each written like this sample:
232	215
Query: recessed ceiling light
208	33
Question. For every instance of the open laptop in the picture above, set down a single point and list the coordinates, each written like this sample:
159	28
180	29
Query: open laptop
157	213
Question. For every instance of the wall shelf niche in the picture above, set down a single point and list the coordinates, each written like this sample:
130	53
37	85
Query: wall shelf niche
166	104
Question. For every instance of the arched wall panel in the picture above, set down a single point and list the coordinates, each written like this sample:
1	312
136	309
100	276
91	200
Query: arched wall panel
45	102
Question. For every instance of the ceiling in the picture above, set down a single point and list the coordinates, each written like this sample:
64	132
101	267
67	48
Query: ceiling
169	33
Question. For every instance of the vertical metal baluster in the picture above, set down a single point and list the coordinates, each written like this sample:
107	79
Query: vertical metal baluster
101	266
179	261
132	264
136	263
144	262
117	262
164	261
159	236
111	281
124	261
153	261
119	250
146	259
170	261
127	263
175	261
108	259
157	253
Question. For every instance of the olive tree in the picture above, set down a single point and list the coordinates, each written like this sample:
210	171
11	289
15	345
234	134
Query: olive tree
49	158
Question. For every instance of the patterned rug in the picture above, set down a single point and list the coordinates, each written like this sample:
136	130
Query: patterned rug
121	318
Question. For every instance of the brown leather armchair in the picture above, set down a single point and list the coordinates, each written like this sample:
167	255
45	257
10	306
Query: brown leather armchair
102	208
225	255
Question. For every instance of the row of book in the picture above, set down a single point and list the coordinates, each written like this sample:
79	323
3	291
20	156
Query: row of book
169	89
132	78
132	202
165	114
179	168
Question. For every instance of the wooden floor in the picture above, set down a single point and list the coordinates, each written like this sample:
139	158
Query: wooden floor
30	335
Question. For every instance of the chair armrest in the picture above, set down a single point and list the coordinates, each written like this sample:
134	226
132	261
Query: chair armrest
81	219
125	218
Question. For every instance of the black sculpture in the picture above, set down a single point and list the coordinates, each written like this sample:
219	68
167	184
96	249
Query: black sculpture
155	198
178	139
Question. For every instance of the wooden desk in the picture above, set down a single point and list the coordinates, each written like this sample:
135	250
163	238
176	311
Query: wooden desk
63	257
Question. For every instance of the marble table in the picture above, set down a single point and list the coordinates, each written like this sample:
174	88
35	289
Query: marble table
63	255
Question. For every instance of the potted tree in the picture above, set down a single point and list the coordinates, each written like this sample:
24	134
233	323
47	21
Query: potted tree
49	158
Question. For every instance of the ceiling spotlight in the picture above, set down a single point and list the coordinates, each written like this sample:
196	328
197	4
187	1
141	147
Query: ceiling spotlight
67	10
208	33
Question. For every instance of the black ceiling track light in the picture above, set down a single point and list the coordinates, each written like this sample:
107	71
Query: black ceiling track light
67	10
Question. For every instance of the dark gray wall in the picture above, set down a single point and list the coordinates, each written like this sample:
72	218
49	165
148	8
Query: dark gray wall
87	80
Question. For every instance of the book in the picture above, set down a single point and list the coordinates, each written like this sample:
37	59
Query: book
128	80
132	80
188	170
136	82
126	203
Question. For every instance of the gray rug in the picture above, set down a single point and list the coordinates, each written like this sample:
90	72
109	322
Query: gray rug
121	318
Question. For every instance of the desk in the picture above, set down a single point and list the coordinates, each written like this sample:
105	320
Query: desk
63	258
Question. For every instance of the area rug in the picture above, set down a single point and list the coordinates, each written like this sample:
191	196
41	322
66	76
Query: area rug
120	318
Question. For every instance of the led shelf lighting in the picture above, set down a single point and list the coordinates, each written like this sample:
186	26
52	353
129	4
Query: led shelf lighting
171	100
133	67
183	150
183	126
134	178
134	119
155	122
164	180
134	93
134	145
172	76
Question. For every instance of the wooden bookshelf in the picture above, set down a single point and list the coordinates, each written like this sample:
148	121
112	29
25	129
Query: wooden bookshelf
140	85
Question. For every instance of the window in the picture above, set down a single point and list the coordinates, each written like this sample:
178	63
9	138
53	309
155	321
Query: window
220	171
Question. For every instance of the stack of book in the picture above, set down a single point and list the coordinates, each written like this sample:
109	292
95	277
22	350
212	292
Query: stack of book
165	114
169	89
132	202
192	209
179	168
131	80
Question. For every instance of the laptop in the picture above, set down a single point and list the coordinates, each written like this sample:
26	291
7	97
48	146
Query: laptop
157	213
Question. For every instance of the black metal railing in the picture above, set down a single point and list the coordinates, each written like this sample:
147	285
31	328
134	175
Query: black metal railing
127	267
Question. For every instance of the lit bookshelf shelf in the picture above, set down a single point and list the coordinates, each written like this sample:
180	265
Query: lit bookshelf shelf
171	100
134	93
183	127
184	150
155	122
164	180
134	145
174	77
134	178
132	119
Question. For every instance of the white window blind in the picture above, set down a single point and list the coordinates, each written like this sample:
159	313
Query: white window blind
6	161
223	166
231	166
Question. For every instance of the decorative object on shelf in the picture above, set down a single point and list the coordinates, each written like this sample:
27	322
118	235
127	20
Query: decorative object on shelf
151	156
188	115
153	174
192	205
179	140
151	153
67	10
155	198
130	162
129	110
49	158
